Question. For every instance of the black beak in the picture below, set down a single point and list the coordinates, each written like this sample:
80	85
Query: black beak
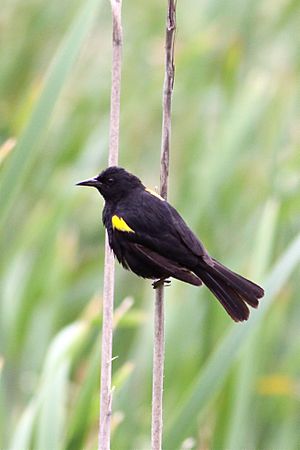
90	182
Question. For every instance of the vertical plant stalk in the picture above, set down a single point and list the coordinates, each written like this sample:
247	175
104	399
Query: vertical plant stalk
109	268
158	350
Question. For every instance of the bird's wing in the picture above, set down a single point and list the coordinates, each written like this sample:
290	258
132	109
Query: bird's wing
185	234
154	223
171	268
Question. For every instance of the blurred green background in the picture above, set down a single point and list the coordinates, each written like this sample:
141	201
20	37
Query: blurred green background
234	175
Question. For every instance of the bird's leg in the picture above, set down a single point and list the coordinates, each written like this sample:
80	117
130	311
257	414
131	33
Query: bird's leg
161	282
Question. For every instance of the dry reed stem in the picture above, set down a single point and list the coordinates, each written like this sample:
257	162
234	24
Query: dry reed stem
108	287
158	350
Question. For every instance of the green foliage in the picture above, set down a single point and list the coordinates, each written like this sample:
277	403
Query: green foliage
234	176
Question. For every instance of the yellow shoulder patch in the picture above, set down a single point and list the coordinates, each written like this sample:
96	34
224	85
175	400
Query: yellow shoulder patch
119	224
154	193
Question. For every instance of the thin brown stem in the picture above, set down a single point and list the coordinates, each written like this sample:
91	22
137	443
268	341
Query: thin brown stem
117	39
108	287
158	369
158	350
167	97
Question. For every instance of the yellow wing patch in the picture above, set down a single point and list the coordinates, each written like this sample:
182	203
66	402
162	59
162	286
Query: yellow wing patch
119	224
154	193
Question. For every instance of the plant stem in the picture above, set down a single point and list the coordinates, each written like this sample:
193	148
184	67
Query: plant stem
114	130
158	369
108	288
167	97
158	348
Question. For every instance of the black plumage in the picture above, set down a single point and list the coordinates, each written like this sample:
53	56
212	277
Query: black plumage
150	238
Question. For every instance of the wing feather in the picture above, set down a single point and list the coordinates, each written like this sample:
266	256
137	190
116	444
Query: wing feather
185	234
174	270
159	227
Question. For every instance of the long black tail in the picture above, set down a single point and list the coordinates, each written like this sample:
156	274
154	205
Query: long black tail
232	290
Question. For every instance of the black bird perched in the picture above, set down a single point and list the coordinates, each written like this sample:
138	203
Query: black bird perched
150	238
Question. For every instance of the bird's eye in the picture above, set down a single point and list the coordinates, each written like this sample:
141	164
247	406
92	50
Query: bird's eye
110	180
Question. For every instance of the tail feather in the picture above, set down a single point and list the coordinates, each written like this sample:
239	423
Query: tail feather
249	290
232	290
230	300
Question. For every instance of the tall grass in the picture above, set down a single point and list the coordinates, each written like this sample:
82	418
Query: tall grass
235	178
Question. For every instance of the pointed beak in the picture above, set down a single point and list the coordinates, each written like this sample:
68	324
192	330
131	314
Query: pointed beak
90	182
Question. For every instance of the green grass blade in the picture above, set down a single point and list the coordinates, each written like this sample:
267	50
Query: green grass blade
81	415
213	375
48	405
24	430
239	423
51	423
23	155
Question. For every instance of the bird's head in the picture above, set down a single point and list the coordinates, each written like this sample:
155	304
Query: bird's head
113	183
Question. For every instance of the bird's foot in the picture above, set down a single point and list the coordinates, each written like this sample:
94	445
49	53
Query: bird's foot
161	282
